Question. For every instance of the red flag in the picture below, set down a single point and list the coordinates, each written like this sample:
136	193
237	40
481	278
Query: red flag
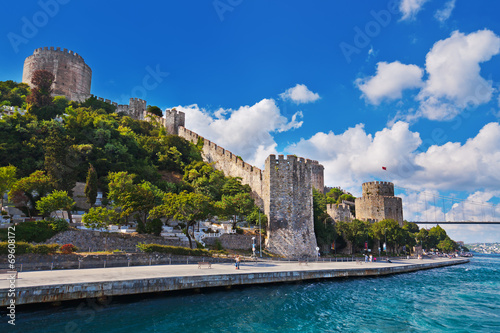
384	168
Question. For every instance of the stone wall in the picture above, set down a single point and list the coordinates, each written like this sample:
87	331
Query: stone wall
172	120
229	163
339	212
318	178
283	190
379	203
231	242
87	240
288	205
73	76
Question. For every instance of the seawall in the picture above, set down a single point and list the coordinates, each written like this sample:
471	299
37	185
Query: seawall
55	286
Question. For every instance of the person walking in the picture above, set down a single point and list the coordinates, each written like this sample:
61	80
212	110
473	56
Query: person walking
237	264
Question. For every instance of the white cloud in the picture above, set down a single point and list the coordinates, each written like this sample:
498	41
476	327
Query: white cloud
454	81
445	13
355	156
299	94
245	131
390	81
410	8
475	164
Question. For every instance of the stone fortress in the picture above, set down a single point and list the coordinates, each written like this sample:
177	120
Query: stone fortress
378	203
73	78
283	189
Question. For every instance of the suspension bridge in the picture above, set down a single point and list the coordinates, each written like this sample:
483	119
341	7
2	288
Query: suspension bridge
424	207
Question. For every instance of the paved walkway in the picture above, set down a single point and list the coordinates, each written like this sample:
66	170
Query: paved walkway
75	276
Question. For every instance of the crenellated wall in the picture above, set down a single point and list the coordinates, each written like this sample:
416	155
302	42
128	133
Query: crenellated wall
174	119
228	162
379	203
73	76
288	203
283	189
340	212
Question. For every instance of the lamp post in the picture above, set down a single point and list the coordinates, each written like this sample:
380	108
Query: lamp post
260	237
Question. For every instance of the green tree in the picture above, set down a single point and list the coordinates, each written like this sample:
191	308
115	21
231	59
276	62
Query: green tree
41	94
333	195
133	198
28	190
447	245
324	226
436	235
255	214
205	179
187	207
154	110
59	163
236	206
100	217
357	232
388	231
57	200
422	238
7	180
233	186
91	186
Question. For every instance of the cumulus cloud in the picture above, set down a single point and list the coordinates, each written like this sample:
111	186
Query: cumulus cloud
410	8
390	81
246	131
454	81
445	13
475	164
299	94
453	84
355	156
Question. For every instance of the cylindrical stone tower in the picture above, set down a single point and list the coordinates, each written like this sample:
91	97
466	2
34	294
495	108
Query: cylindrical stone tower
72	75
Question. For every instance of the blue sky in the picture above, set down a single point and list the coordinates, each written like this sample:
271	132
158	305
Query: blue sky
412	85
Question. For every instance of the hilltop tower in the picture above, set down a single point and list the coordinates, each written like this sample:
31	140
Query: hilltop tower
72	75
379	203
136	108
288	203
174	119
318	178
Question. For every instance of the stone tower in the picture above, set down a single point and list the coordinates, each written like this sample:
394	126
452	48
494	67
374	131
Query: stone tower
318	178
288	203
174	119
136	108
379	203
72	75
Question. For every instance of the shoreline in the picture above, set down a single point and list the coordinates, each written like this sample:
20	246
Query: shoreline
66	285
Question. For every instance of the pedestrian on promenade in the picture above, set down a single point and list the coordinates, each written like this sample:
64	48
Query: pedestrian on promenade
366	258
371	258
237	264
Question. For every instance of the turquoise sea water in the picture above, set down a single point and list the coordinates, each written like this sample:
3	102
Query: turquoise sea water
463	298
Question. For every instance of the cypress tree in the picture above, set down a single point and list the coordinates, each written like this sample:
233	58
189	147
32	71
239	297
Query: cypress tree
91	186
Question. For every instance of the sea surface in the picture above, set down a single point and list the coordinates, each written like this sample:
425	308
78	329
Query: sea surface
462	298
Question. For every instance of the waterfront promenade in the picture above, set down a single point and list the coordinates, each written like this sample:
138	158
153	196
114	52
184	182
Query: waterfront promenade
61	285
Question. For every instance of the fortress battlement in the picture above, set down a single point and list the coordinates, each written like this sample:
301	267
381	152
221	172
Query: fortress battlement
290	159
72	75
234	165
50	50
378	183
